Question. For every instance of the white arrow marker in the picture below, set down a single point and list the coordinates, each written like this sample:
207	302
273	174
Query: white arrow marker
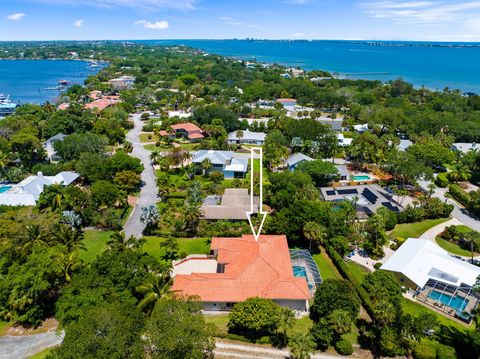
260	204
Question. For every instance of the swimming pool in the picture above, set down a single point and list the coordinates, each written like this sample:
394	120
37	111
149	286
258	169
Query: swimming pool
361	178
458	303
301	272
4	188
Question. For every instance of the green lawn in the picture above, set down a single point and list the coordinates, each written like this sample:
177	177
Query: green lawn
414	230
96	242
415	309
325	266
43	354
187	246
357	271
144	137
453	248
152	148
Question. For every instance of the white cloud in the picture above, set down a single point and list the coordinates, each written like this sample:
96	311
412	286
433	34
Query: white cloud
298	34
78	23
143	4
422	12
227	20
16	17
157	25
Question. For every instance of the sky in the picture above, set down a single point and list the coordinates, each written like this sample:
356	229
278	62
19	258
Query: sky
436	20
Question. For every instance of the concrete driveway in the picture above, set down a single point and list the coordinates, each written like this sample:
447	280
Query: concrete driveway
24	346
148	194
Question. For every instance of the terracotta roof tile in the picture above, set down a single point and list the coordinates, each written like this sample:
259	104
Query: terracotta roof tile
187	127
252	269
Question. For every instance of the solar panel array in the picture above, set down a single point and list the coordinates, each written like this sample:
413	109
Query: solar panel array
370	196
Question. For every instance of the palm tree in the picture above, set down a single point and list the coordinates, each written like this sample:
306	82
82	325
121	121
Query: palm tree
239	135
155	287
206	165
186	156
34	235
4	162
118	242
72	238
314	232
340	321
285	321
128	147
301	346
68	263
155	156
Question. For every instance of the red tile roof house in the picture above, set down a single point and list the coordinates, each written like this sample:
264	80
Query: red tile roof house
241	268
188	130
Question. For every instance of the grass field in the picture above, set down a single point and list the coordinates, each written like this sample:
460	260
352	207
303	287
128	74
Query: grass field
96	242
357	271
144	137
43	354
187	246
415	309
414	230
453	248
325	266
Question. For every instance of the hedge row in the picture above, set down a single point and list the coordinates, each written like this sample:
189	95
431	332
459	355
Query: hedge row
345	271
459	194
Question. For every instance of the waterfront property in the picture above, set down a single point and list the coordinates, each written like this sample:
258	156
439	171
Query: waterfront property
48	146
246	138
189	131
242	268
232	165
367	198
102	103
436	278
122	83
297	158
232	205
7	107
27	192
464	147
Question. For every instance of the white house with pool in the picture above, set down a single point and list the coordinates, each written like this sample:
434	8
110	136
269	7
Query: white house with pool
436	278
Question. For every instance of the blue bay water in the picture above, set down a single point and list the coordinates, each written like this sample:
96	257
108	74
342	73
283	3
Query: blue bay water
26	80
433	65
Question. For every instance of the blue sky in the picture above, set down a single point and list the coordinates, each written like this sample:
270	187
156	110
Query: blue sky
436	20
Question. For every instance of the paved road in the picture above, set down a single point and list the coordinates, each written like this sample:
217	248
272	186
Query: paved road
433	232
459	212
148	194
22	347
245	351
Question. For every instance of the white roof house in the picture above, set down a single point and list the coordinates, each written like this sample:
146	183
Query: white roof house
249	137
465	147
344	141
179	114
404	144
420	260
216	157
27	192
297	158
237	165
361	128
48	145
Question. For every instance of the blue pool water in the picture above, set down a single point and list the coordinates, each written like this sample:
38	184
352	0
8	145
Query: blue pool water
434	65
457	303
361	178
4	189
301	272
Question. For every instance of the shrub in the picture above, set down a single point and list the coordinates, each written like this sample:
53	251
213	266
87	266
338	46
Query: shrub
424	350
377	265
442	180
216	177
254	318
459	194
344	347
445	352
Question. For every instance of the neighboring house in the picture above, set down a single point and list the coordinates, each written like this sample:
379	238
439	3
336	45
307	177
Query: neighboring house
344	141
361	128
242	268
232	205
102	103
343	172
122	83
294	160
223	161
179	114
188	130
438	279
404	145
464	147
335	124
63	106
286	75
288	103
27	192
247	138
368	198
48	145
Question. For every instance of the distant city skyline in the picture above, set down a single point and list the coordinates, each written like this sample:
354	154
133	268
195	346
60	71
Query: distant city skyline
442	20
